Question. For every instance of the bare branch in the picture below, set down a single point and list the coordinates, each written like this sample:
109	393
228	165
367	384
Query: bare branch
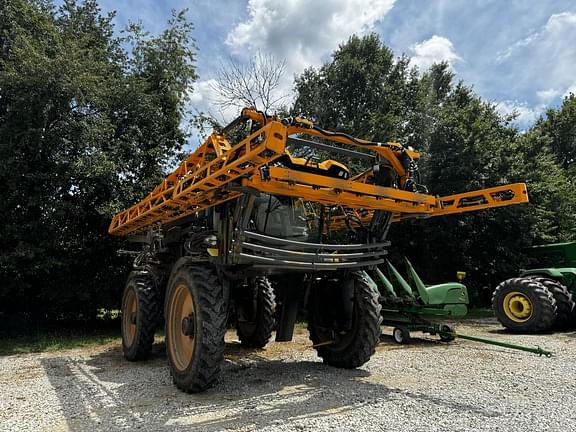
254	84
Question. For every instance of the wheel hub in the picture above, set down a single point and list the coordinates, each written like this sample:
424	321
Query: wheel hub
188	328
517	307
180	327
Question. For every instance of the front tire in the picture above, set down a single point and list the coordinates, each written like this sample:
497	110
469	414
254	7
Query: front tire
352	347
196	314
524	305
140	315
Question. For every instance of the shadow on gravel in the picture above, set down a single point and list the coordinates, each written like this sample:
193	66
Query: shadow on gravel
106	392
417	340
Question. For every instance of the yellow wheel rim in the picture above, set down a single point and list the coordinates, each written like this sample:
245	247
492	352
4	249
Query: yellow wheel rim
517	307
180	345
129	317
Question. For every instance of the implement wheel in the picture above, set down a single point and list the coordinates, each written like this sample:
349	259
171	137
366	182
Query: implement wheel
255	312
351	345
564	301
140	315
401	335
446	333
195	312
524	305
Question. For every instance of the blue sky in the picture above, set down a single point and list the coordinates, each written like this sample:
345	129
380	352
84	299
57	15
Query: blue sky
519	54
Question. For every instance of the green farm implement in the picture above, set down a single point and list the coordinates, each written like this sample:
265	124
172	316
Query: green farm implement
409	305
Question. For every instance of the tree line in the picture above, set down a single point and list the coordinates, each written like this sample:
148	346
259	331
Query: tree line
91	120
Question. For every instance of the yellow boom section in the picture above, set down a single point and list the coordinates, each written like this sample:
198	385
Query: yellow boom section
200	181
499	196
218	171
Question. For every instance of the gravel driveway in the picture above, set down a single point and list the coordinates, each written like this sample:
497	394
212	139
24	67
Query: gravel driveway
424	386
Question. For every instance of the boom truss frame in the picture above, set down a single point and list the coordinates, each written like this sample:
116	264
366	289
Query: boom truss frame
219	171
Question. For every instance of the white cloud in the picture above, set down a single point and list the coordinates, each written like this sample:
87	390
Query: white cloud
544	59
556	25
570	89
547	96
558	22
204	98
526	115
303	32
434	50
202	93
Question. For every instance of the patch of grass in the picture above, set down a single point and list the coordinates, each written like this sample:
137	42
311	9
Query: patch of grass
108	314
57	337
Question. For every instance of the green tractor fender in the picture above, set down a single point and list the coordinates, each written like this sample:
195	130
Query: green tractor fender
566	276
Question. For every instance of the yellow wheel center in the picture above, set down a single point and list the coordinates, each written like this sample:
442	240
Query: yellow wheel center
180	333
517	307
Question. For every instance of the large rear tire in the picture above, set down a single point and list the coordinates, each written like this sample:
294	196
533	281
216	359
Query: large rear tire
140	315
524	305
353	347
564	301
195	313
255	313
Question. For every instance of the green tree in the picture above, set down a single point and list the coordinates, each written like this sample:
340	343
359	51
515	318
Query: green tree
361	91
86	129
560	126
556	134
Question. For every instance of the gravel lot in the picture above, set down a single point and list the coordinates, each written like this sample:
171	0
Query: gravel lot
424	386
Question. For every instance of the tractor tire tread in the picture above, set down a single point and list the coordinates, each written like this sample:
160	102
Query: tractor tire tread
149	298
212	305
545	302
368	330
564	301
265	318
